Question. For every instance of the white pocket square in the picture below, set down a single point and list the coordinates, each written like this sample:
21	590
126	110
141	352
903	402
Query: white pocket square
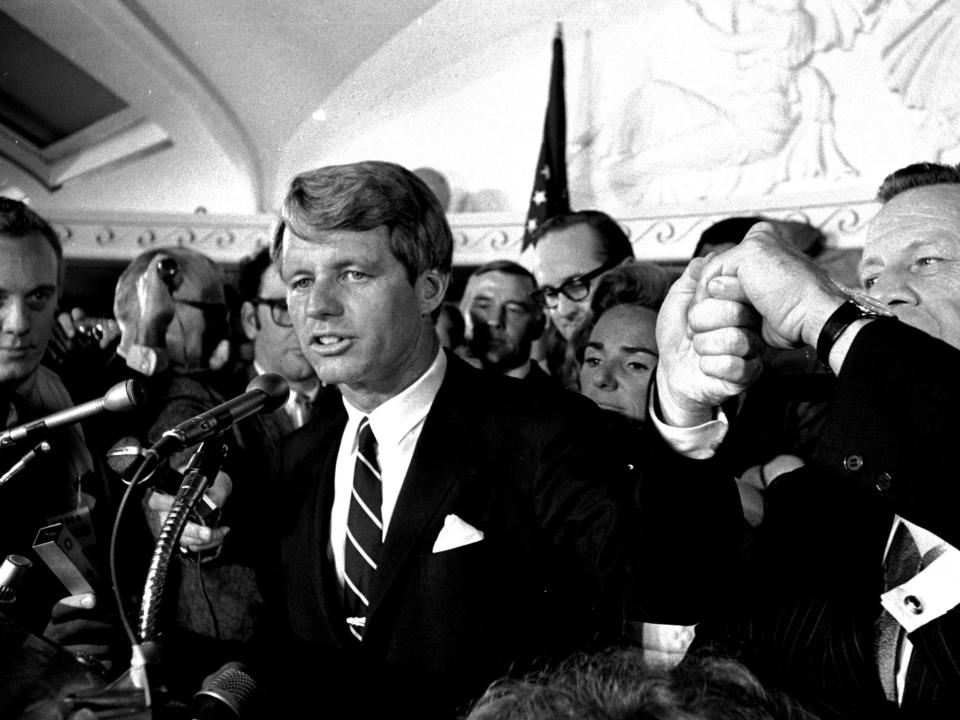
456	533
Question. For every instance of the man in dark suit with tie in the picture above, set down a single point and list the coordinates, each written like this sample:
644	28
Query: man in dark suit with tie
446	525
504	321
854	604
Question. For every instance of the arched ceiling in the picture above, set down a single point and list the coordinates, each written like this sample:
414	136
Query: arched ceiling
231	78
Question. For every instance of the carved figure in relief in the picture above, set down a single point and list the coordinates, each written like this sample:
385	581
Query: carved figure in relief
754	113
922	64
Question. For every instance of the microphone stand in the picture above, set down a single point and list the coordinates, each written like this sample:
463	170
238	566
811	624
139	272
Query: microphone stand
204	465
131	696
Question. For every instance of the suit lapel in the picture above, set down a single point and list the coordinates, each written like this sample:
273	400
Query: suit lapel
439	462
313	498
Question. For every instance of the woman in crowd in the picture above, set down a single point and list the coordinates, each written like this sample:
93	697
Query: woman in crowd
616	346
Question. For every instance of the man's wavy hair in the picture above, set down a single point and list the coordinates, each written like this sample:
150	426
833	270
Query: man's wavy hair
18	221
917	175
363	196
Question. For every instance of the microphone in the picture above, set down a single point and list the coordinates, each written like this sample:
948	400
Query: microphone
265	393
121	397
227	694
11	575
41	448
125	456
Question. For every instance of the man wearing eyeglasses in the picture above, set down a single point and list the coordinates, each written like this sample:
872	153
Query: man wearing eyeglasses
570	252
266	323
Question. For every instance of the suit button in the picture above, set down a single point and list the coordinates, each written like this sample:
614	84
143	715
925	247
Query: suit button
852	463
913	604
884	480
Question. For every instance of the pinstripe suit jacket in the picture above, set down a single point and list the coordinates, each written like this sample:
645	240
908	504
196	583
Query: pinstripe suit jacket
533	470
804	619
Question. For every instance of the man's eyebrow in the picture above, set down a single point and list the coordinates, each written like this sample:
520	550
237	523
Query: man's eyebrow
42	286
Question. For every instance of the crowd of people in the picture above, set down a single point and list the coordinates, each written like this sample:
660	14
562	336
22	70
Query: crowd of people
596	488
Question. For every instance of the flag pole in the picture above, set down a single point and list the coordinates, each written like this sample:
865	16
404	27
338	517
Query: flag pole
550	195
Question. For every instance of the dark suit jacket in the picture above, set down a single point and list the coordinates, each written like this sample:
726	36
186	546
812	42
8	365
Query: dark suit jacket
535	472
804	621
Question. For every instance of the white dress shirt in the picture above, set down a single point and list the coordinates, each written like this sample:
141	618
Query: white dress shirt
396	425
929	594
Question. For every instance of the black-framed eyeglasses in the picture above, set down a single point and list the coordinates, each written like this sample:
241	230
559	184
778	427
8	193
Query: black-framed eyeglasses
576	288
279	312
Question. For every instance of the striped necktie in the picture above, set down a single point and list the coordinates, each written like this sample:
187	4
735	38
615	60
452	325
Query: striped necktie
364	530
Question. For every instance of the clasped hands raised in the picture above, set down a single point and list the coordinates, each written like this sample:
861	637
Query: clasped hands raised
715	320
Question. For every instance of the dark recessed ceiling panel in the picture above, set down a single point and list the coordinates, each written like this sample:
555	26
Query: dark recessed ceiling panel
44	97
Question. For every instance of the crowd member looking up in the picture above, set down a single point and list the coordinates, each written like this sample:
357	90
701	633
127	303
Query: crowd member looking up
617	344
446	524
60	485
504	321
570	252
855	605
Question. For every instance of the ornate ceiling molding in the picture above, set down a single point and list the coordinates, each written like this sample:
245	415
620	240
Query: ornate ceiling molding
478	238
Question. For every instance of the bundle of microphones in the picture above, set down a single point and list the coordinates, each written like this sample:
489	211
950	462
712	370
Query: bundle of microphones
228	692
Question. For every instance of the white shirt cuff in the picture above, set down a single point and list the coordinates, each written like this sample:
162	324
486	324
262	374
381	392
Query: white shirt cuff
699	442
928	595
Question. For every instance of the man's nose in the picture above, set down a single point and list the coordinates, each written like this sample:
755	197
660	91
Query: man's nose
324	299
16	316
566	307
893	287
497	317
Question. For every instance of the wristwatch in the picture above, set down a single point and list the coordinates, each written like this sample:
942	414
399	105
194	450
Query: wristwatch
857	307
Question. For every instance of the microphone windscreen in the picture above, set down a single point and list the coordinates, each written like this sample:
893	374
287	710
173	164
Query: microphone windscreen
274	387
227	694
124	396
125	454
11	575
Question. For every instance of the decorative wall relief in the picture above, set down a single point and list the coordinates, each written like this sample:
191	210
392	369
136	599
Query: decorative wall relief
922	64
747	110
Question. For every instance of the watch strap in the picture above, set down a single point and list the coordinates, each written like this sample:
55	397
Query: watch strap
833	328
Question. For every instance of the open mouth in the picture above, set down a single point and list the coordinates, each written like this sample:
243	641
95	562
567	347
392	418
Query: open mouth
328	344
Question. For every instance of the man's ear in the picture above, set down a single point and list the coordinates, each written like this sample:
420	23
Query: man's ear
220	355
248	319
431	287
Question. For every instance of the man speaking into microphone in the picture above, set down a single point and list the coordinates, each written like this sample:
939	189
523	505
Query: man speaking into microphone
60	485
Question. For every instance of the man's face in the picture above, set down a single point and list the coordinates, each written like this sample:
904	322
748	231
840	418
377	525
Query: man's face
911	259
28	305
275	347
619	359
505	320
360	322
559	256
